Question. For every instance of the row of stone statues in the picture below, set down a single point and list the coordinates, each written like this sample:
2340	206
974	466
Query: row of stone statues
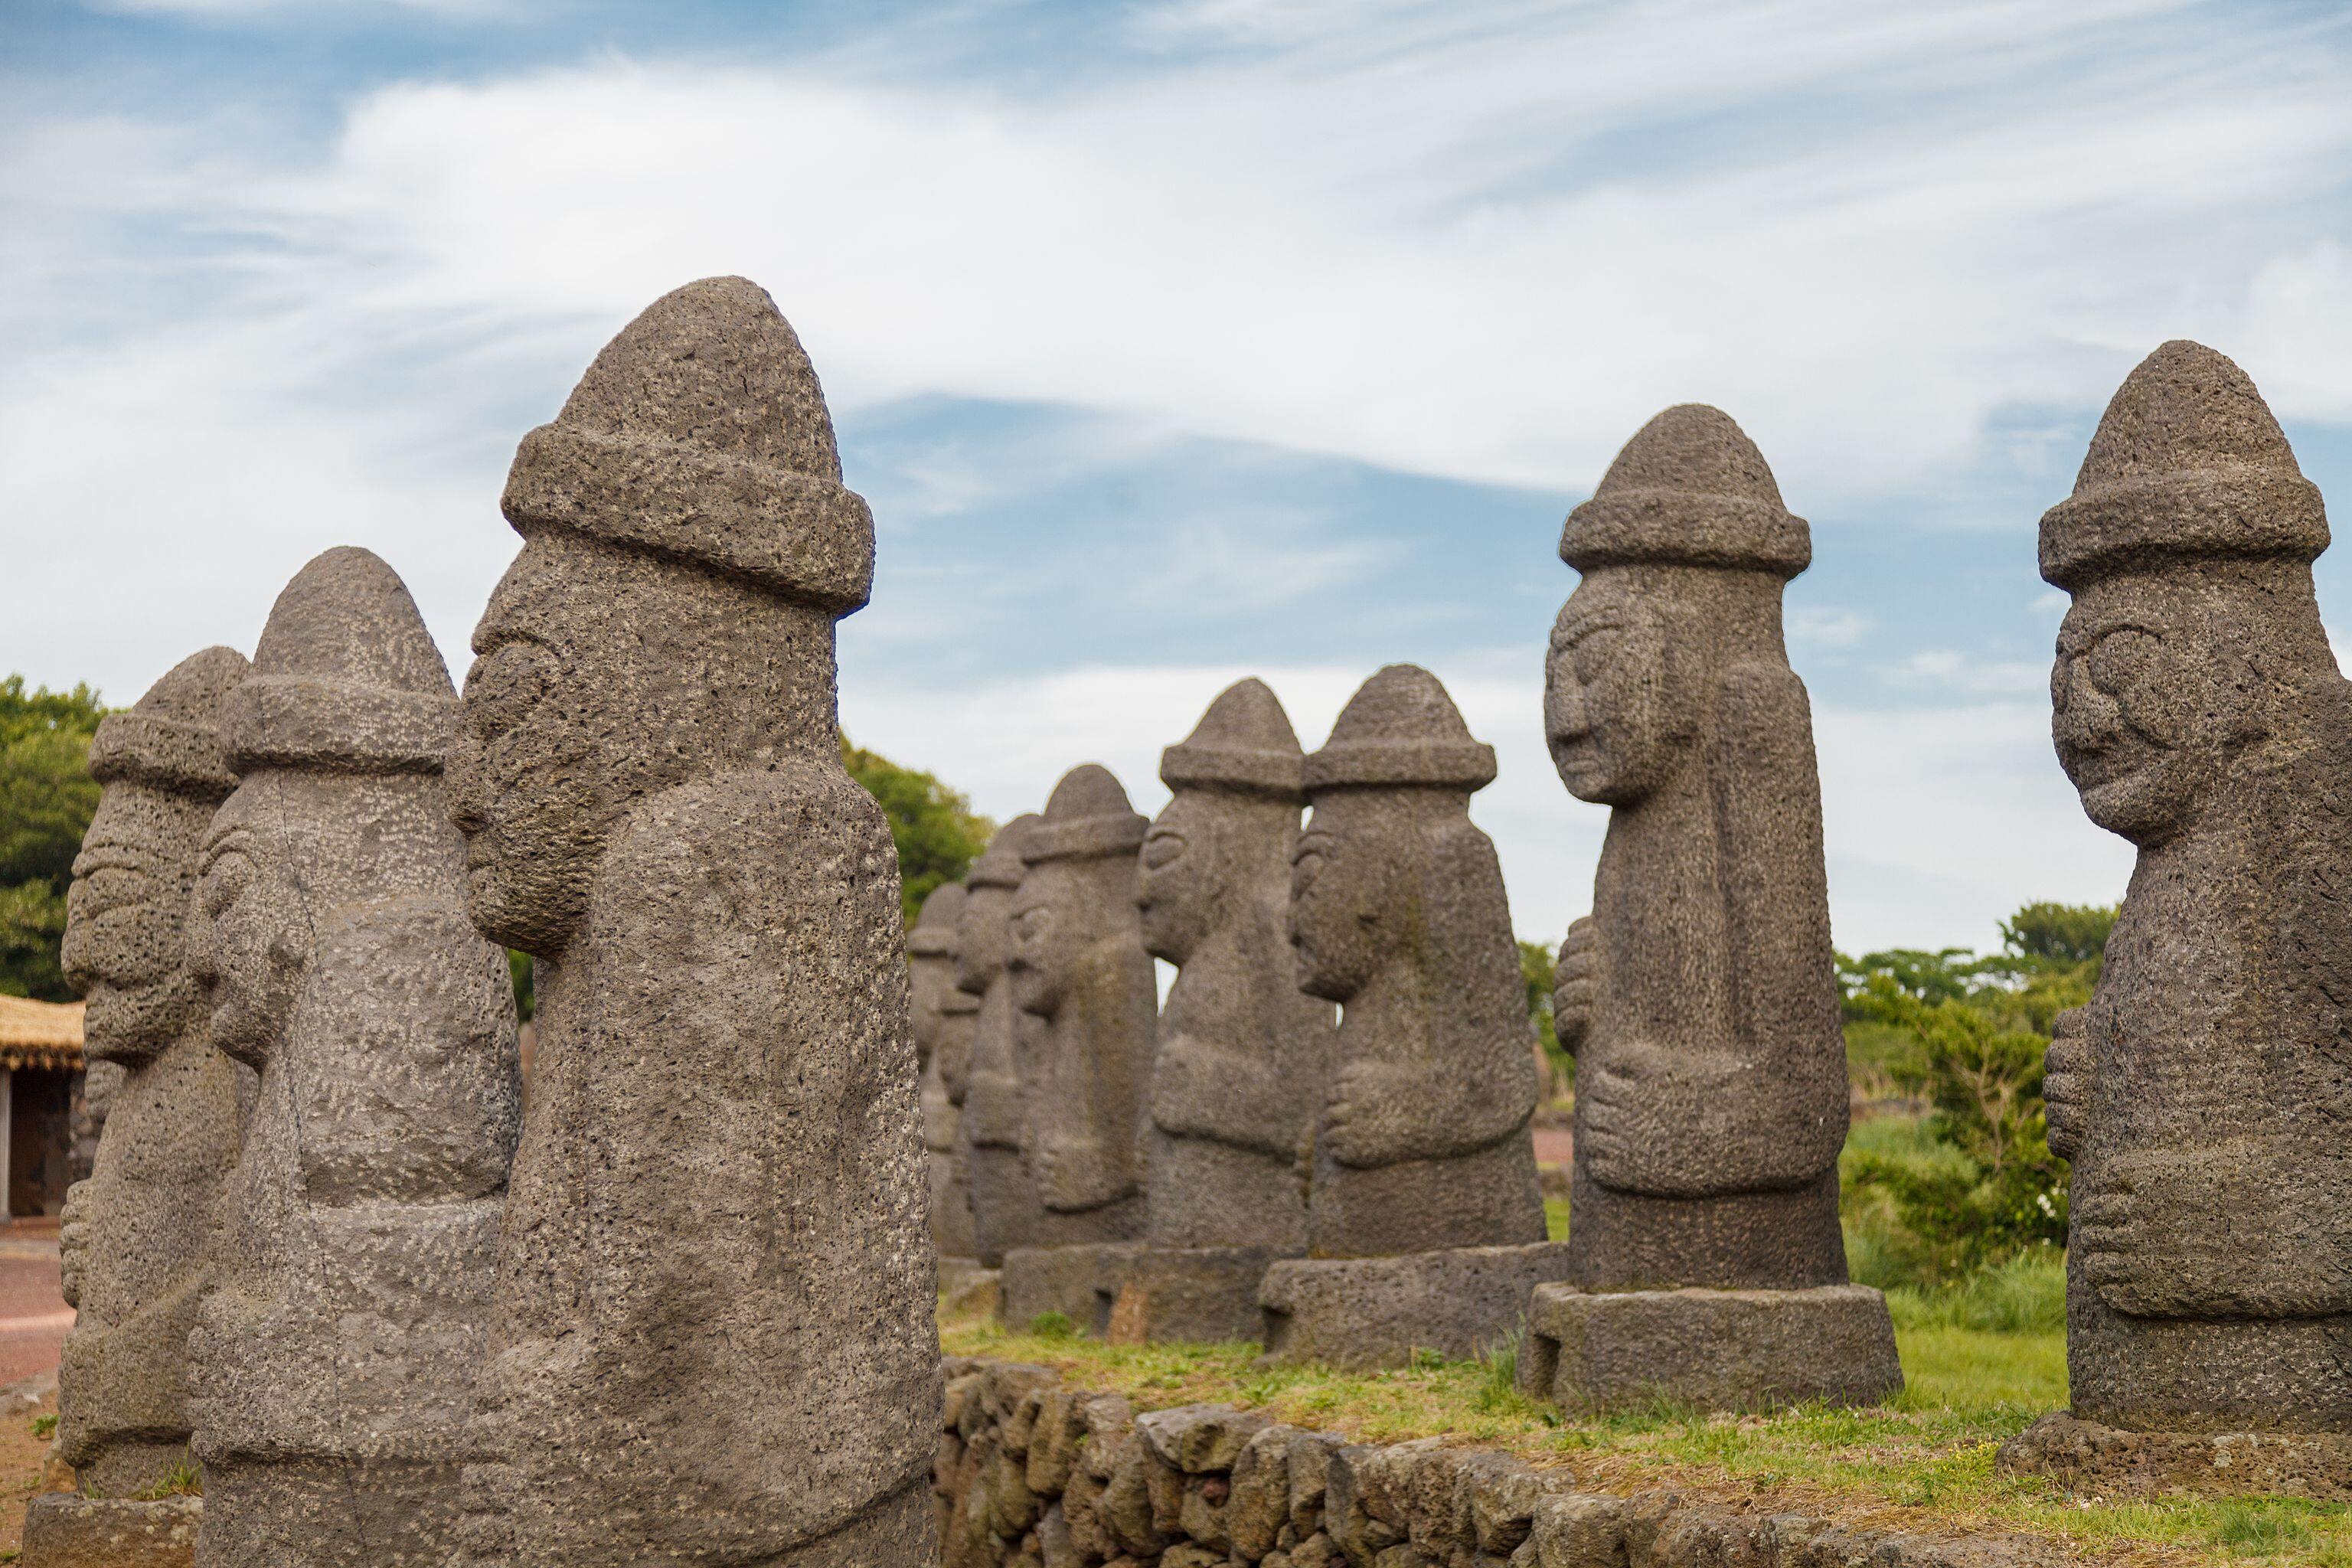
1361	1193
677	1306
679	1309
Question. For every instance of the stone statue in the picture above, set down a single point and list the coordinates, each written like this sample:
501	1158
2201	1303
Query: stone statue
714	1338
2203	1093
1397	914
1700	997
1077	964
335	1355
994	1127
943	1018
137	1233
1238	1076
1244	1054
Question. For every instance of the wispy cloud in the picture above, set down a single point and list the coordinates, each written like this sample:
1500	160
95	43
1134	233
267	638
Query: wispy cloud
1816	627
1912	248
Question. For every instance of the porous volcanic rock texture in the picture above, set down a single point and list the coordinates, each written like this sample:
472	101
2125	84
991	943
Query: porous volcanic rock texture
137	1235
943	1020
2202	1094
1397	914
334	1353
993	1131
1243	1054
714	1339
1077	965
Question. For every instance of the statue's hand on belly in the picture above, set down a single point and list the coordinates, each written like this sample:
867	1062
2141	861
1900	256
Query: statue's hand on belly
2247	1228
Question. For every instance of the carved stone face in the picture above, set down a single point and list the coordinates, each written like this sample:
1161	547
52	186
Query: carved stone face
1178	889
2147	704
529	775
1338	889
1043	940
126	916
250	937
983	940
1617	710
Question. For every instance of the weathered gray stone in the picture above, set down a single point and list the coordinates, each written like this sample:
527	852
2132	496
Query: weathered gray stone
1203	1294
944	1017
994	1129
715	1338
66	1530
1243	1054
1399	914
1700	995
2107	1461
1077	964
2203	1093
334	1353
1726	1350
1458	1303
136	1235
1067	1280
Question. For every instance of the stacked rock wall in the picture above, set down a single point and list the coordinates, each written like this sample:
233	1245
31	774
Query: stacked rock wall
1034	1472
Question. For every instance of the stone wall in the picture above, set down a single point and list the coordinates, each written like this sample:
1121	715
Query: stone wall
1034	1472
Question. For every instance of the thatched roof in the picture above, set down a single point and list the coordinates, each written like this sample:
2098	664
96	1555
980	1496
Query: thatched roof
40	1034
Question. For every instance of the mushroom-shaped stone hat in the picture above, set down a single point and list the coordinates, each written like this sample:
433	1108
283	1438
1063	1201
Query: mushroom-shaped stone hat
1689	489
1401	730
1243	743
1088	816
170	738
2186	462
345	677
700	434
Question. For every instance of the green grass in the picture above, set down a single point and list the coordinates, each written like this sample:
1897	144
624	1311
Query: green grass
1982	1361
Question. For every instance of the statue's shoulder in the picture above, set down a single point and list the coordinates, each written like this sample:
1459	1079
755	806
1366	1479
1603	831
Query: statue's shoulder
718	850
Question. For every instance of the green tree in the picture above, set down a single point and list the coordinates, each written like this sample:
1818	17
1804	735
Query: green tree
1536	960
1976	1030
2060	933
938	834
46	798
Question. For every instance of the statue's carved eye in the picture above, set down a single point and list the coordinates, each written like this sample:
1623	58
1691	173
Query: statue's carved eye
224	882
504	685
2121	660
1595	650
1162	848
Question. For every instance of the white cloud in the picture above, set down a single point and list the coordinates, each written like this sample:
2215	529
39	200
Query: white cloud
1945	669
1478	240
1819	627
250	10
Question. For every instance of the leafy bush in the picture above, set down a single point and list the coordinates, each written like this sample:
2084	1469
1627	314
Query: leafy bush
46	799
1967	1035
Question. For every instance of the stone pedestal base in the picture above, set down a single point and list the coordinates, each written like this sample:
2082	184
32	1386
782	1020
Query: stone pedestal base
966	1288
1719	1350
2084	1456
1041	1280
1382	1311
1201	1294
66	1530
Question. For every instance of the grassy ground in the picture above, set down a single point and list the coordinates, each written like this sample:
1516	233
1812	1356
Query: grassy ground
1982	1363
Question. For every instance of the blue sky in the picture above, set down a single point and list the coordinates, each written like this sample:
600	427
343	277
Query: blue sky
1179	340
